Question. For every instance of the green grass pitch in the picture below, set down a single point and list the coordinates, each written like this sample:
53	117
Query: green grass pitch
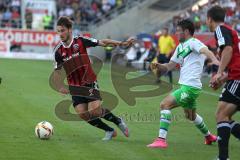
26	99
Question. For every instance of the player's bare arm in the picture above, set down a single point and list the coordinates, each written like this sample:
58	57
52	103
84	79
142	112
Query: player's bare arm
226	58
209	55
221	77
164	68
107	42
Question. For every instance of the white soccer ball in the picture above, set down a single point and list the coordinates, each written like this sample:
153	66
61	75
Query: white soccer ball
44	130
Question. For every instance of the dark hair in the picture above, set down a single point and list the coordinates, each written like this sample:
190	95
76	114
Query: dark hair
217	13
165	28
187	24
65	21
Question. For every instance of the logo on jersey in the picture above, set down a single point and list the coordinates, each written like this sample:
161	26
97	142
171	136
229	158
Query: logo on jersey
184	52
221	41
75	48
91	92
219	138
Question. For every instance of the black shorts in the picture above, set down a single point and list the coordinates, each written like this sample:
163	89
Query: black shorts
162	58
231	93
85	94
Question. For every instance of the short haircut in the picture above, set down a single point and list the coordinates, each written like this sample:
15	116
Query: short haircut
165	28
187	24
65	21
216	13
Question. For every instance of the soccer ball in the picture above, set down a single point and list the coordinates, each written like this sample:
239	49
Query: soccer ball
44	130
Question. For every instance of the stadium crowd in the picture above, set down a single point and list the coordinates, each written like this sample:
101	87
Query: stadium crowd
198	15
82	11
10	14
86	11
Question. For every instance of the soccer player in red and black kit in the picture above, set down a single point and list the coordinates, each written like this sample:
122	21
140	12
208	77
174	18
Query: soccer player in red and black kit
229	101
71	55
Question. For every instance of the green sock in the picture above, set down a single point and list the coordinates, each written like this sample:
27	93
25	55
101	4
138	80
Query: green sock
201	125
165	121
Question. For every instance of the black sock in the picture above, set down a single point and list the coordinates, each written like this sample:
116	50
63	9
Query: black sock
97	122
111	117
224	131
235	129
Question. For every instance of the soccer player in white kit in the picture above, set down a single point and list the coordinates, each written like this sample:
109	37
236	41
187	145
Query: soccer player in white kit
190	54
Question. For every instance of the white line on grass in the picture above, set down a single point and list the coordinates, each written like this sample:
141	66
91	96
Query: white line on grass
210	93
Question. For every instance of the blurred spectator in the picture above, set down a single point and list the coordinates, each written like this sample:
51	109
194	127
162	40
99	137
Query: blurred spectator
112	3
68	11
7	15
151	55
16	4
10	14
119	3
89	10
48	21
106	6
16	18
198	15
28	19
86	11
166	46
135	53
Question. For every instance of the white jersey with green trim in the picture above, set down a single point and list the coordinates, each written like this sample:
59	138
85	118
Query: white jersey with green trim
191	62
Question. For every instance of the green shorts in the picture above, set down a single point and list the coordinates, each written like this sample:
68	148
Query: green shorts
186	96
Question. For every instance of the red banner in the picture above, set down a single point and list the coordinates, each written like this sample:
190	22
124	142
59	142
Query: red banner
29	37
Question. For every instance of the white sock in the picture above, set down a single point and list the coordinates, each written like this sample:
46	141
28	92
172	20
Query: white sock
198	121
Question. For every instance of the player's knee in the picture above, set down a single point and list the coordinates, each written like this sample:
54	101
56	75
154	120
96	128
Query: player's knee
187	116
191	118
95	113
84	116
163	106
221	116
218	117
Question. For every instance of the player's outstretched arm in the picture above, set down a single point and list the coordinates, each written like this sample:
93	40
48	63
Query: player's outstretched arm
209	55
163	68
110	42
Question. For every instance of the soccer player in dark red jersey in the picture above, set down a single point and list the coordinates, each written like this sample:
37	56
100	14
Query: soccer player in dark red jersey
71	55
229	101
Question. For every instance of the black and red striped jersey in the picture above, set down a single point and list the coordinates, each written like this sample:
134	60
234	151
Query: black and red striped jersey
226	36
75	60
